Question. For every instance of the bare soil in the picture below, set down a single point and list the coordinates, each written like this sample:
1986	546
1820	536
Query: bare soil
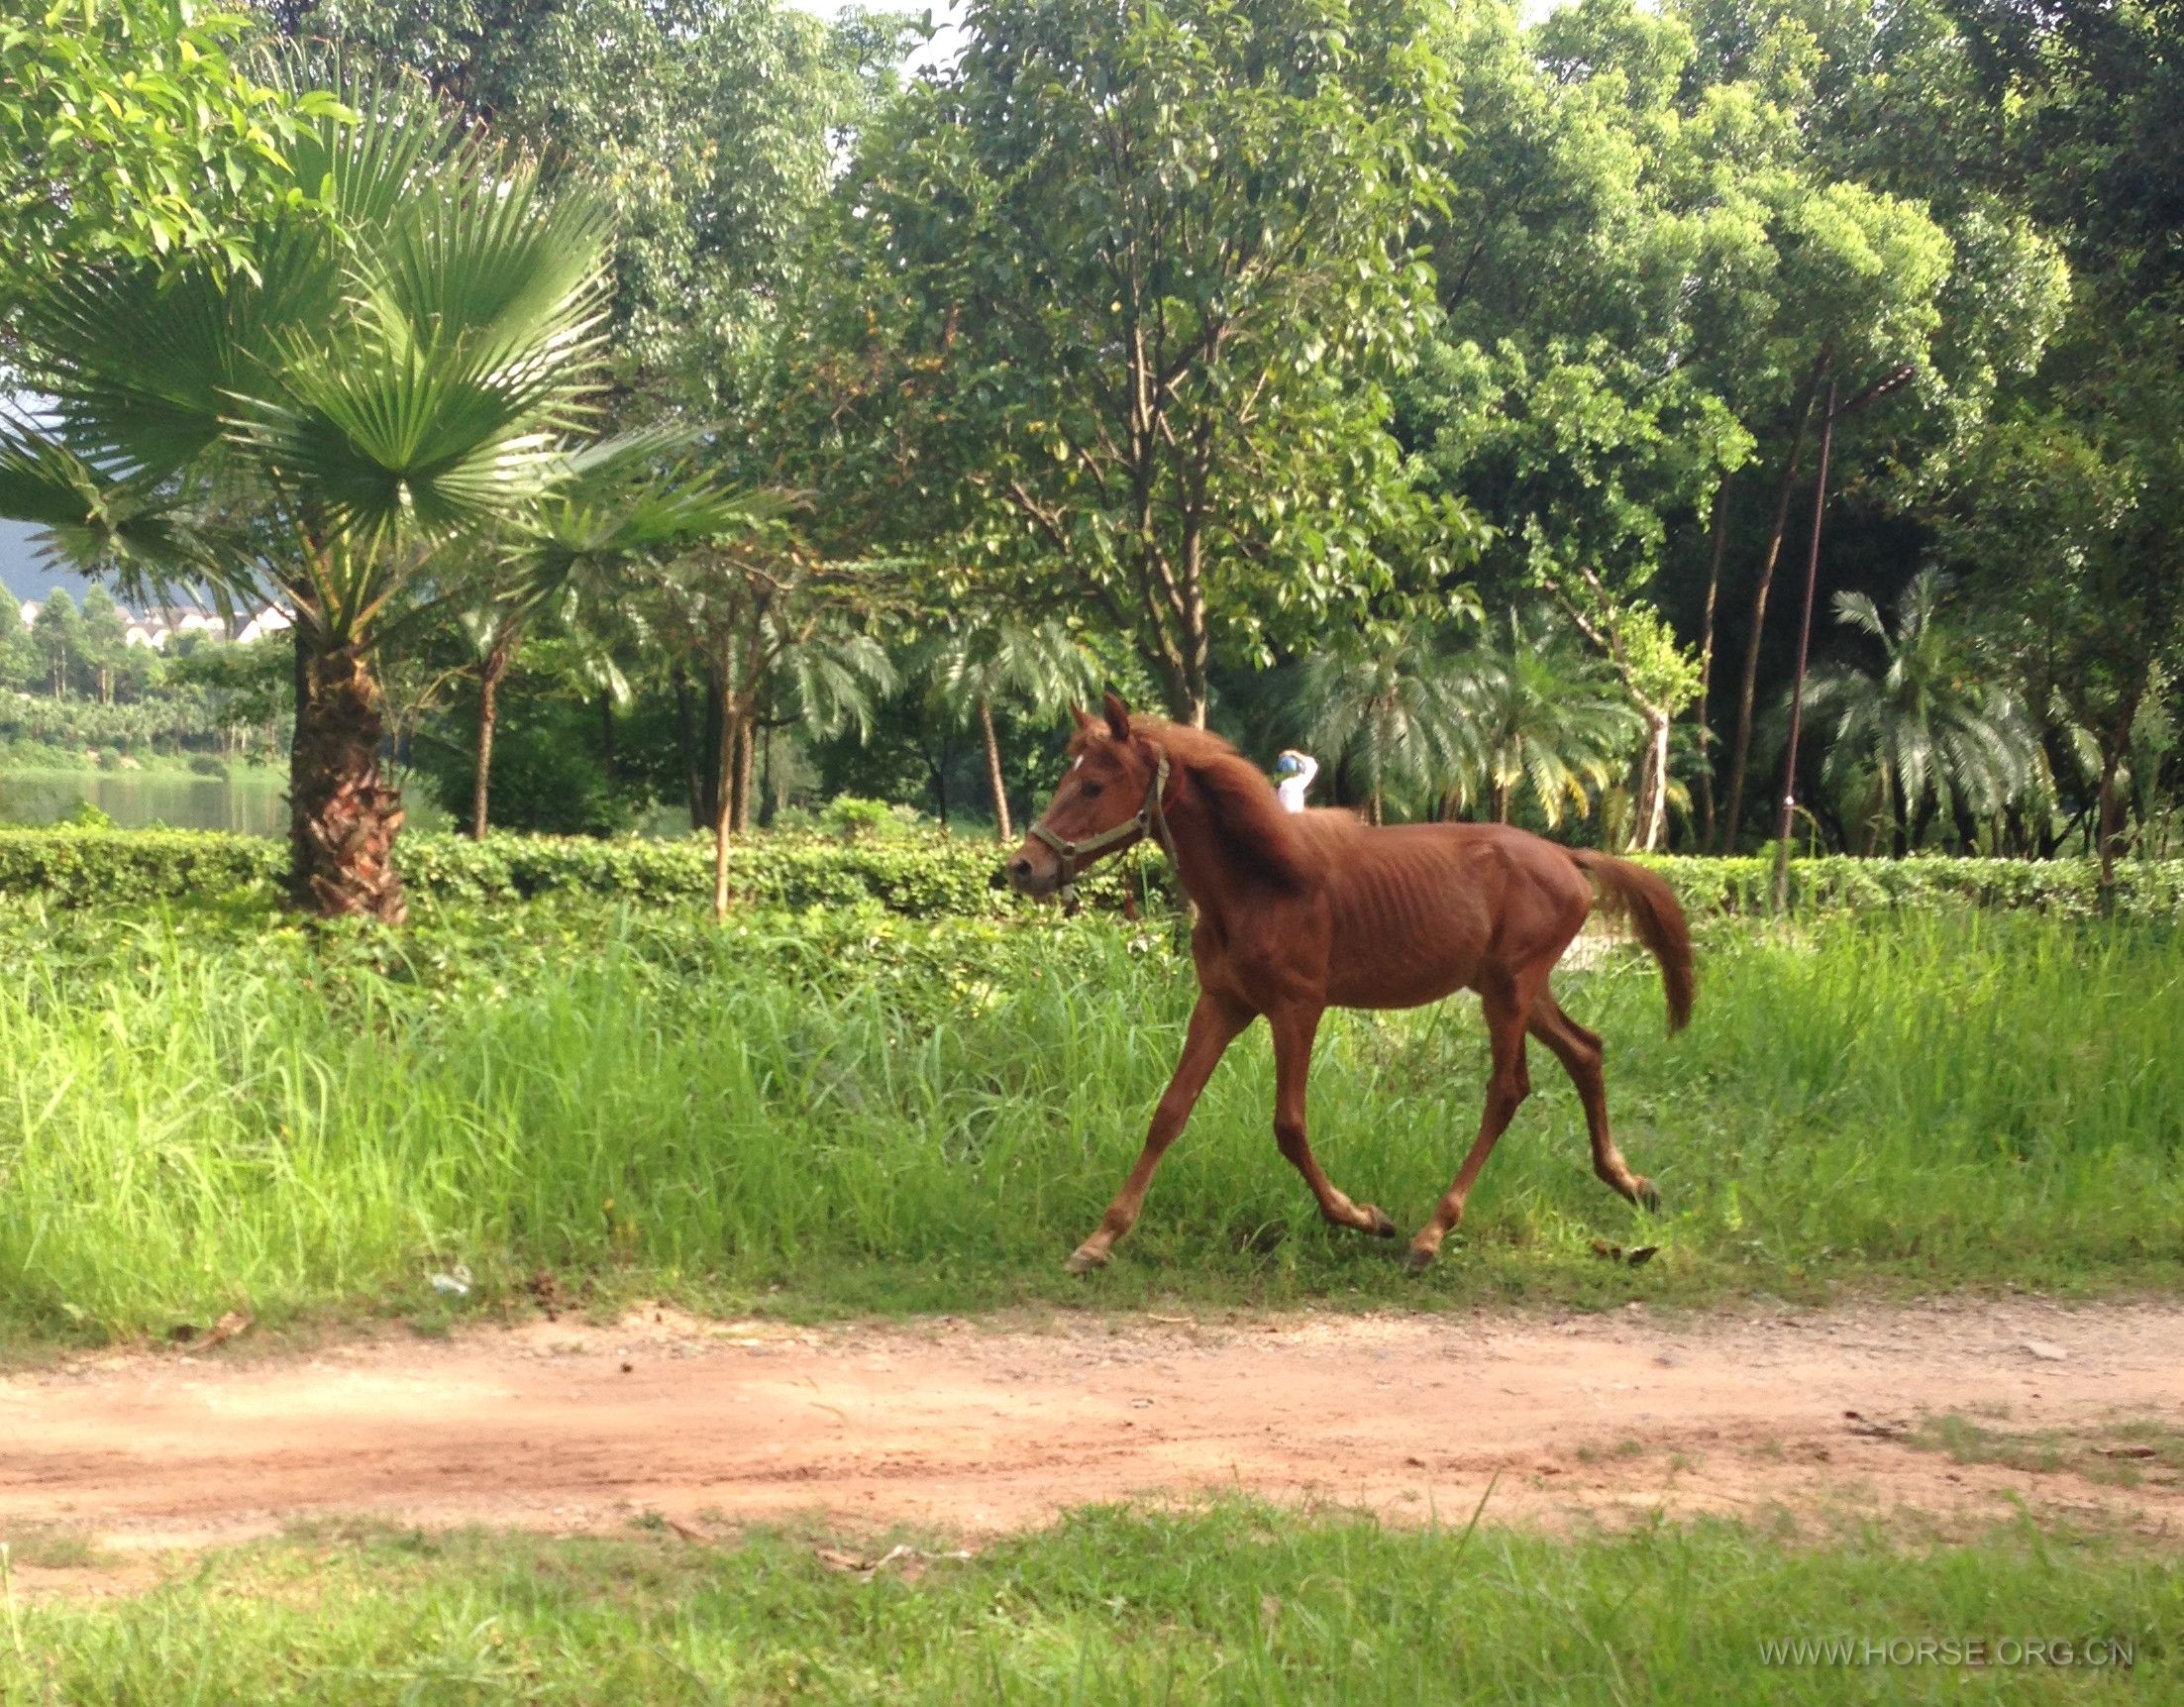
976	1427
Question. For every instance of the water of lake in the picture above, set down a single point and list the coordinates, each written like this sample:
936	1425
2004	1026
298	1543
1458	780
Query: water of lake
250	803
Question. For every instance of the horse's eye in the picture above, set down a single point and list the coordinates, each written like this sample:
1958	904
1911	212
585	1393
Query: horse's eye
1091	791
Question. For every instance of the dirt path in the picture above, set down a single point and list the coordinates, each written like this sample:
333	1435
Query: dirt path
979	1427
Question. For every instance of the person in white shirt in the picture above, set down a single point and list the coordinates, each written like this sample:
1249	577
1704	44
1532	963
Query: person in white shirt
1296	771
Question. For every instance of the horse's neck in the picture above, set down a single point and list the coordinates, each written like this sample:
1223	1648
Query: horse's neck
1206	864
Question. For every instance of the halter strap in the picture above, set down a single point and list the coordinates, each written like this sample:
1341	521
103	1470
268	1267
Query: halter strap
1151	819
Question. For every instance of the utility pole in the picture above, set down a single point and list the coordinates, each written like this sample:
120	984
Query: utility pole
1797	687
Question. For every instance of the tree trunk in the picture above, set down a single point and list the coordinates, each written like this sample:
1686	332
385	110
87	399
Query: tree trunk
697	759
496	663
606	731
2111	817
746	749
1001	828
1966	823
723	791
1720	532
342	819
1743	749
1652	824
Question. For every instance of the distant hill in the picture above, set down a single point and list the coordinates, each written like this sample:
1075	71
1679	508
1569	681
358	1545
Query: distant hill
22	572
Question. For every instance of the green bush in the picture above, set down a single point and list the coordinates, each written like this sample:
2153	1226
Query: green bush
928	876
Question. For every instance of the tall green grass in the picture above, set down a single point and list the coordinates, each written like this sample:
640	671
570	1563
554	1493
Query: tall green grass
1237	1603
843	1111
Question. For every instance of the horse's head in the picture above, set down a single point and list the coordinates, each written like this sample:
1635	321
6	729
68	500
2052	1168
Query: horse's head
1101	805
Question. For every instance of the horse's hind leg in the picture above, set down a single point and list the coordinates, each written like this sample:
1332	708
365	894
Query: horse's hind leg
1294	1029
1507	1088
1580	1053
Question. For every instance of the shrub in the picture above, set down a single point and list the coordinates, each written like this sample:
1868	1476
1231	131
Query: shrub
206	765
86	862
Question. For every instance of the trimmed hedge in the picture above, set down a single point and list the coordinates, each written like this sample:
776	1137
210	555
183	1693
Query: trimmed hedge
919	877
931	875
1839	882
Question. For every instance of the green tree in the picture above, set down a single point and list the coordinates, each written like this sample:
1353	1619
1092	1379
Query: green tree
1038	667
1393	709
136	128
710	127
399	380
103	642
1931	723
1547	719
772	635
20	663
2069	529
57	632
1118	300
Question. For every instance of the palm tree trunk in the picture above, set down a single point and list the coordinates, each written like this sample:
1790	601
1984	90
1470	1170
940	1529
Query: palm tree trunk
1747	694
341	818
1720	531
1001	828
606	731
497	660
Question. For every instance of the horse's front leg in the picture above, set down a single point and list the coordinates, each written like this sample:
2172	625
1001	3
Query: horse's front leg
1214	1024
1294	1027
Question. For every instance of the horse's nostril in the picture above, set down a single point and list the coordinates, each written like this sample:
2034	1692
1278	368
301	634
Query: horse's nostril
1022	868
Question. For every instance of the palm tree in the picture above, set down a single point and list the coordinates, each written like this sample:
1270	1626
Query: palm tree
1547	719
1930	720
1392	709
769	633
578	549
403	379
1039	665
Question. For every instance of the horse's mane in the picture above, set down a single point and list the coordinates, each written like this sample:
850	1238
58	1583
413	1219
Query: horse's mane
1246	812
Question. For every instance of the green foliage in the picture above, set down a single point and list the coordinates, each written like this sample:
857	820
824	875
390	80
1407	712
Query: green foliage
1929	722
139	129
866	1110
1119	299
1227	1604
546	779
710	125
921	875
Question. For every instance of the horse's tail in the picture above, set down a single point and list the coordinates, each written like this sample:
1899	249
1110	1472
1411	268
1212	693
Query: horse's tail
1656	914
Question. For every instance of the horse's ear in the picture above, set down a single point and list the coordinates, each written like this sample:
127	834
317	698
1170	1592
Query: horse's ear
1086	721
1118	715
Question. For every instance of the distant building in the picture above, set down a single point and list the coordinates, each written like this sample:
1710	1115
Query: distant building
154	628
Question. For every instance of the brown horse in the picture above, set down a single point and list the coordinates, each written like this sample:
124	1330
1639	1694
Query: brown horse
1297	913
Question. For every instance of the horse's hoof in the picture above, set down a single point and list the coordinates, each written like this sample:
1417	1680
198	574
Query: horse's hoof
1382	1227
1648	1199
1086	1261
1418	1261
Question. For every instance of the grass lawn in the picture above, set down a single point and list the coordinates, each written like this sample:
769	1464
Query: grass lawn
1233	1602
214	1110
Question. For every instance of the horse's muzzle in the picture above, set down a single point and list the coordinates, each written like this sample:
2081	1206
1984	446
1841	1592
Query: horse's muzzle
1028	875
